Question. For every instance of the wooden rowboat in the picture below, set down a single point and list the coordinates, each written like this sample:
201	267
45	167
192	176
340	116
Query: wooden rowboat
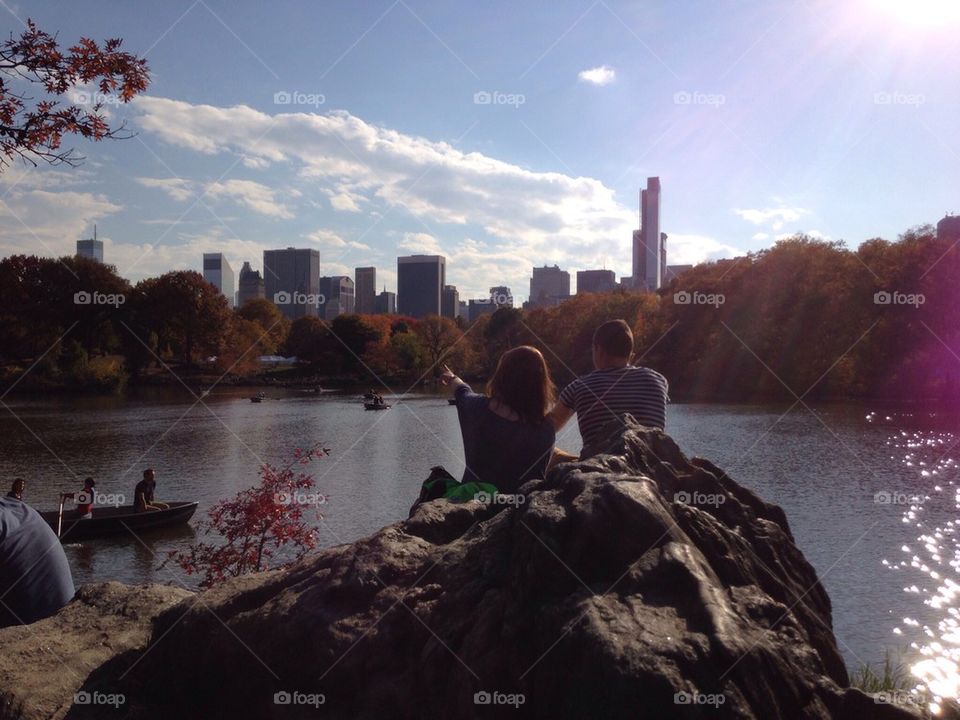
375	406
107	521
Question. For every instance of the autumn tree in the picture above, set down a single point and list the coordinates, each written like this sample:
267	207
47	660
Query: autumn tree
32	128
438	335
274	327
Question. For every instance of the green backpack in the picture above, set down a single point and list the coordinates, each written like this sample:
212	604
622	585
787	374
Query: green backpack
441	484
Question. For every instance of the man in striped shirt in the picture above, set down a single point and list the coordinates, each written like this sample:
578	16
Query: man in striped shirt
616	387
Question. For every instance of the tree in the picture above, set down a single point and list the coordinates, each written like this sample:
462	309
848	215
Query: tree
256	524
437	335
33	129
354	335
270	320
185	311
308	339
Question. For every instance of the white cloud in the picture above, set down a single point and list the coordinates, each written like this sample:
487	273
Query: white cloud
691	249
177	188
760	236
776	217
329	239
39	222
252	195
601	75
420	244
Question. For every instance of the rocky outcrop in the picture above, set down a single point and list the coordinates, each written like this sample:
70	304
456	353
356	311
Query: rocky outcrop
50	669
634	584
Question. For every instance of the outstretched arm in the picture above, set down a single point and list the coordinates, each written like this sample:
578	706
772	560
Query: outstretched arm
559	415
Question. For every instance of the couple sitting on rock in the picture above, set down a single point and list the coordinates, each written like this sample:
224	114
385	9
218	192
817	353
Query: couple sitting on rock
509	433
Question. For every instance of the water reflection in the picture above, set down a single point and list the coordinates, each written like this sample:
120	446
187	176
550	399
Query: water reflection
929	564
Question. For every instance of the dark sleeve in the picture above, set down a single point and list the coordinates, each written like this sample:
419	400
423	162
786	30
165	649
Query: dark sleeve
468	400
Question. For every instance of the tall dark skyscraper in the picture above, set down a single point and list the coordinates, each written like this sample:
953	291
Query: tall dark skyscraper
251	285
596	281
91	248
450	302
649	244
365	286
420	281
549	286
292	280
338	296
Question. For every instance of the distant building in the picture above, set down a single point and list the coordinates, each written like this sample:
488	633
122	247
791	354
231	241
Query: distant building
463	310
251	285
420	279
649	244
500	296
450	302
365	286
386	303
91	248
292	280
626	282
549	286
949	228
217	272
596	281
674	271
337	293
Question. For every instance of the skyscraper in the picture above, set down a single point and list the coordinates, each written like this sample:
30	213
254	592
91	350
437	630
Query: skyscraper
91	248
386	303
251	285
292	280
217	272
365	286
649	244
549	286
450	302
338	297
596	281
420	279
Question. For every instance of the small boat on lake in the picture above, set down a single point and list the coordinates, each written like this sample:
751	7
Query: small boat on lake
376	406
258	398
108	521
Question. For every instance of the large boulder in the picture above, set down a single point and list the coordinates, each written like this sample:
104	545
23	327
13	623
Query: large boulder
79	656
633	584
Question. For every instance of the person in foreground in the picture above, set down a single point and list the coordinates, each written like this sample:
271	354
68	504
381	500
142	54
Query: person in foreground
143	493
507	438
613	389
35	578
16	490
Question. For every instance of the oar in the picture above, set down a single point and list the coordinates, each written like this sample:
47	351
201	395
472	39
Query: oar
60	515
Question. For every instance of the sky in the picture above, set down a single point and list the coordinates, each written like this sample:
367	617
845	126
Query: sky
502	135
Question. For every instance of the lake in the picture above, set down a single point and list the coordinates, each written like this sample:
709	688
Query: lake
870	494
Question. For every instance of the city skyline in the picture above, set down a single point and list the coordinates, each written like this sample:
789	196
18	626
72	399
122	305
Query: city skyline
319	145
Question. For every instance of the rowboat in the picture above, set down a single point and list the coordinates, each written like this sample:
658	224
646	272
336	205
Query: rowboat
107	521
376	406
452	401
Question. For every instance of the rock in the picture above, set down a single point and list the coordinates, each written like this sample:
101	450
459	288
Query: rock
104	628
633	584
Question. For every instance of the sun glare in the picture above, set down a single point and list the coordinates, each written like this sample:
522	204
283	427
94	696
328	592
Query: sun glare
926	14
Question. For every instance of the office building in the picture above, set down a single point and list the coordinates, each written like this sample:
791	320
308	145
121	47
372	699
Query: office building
91	248
948	228
450	302
649	244
501	296
420	280
365	287
217	272
674	271
463	310
292	280
596	281
250	285
337	296
386	303
549	286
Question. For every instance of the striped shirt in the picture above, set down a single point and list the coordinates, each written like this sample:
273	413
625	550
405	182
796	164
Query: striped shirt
604	395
